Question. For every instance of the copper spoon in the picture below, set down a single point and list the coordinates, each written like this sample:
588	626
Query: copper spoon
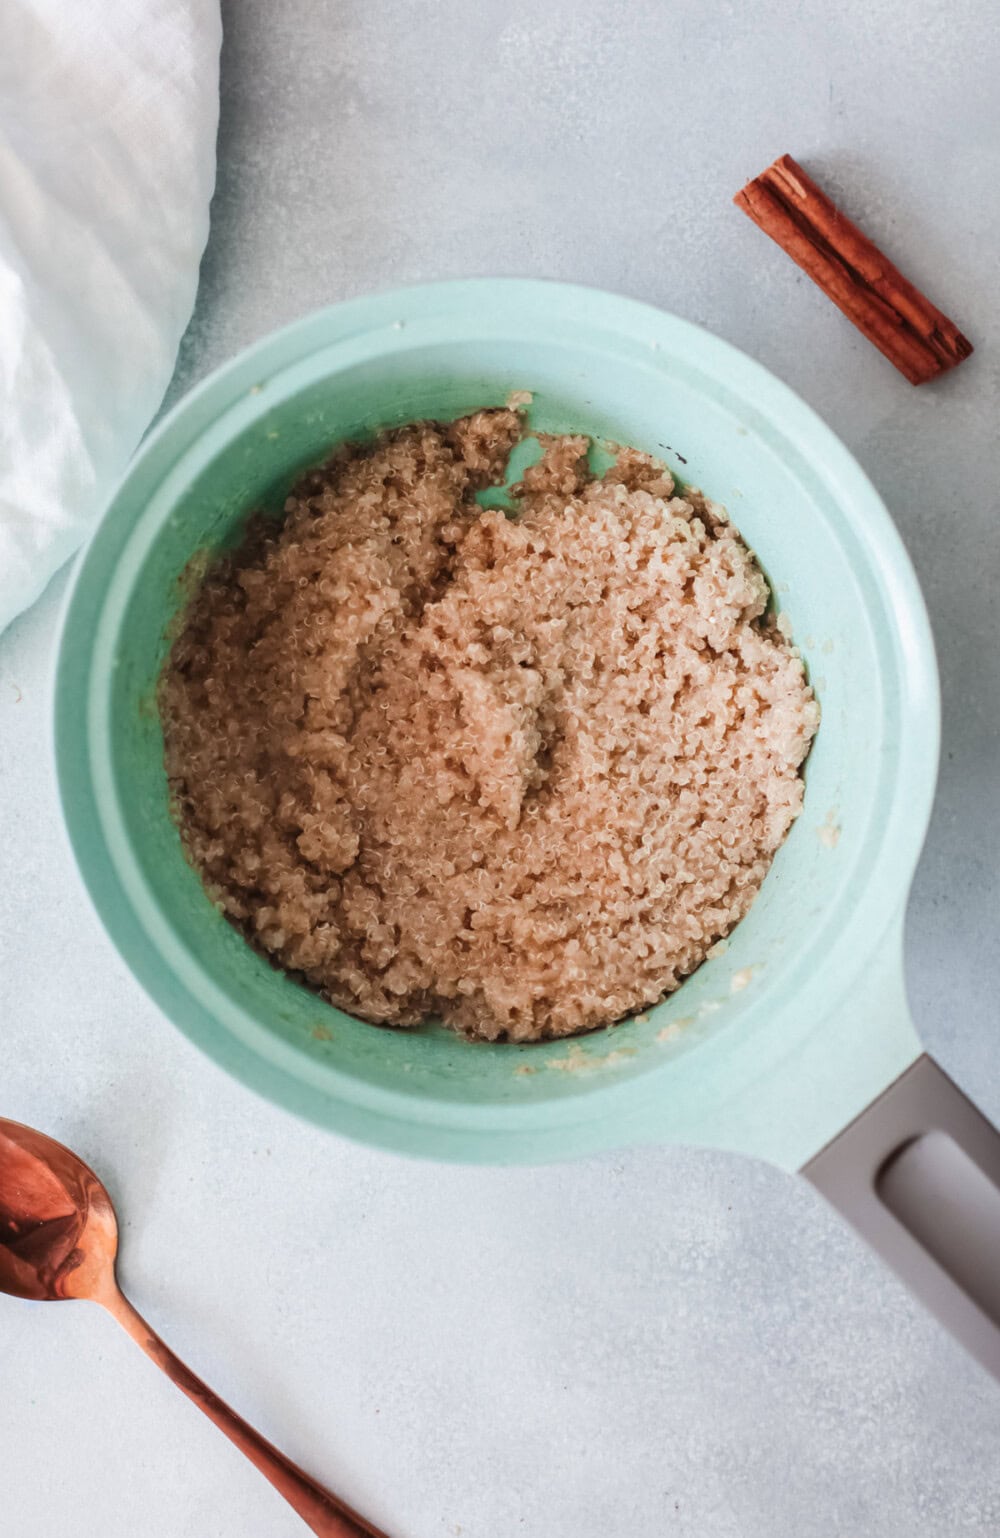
59	1239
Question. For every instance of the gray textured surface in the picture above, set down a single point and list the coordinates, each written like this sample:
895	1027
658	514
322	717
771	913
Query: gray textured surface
646	1344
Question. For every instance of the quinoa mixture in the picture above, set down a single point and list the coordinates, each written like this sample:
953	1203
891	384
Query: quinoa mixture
516	773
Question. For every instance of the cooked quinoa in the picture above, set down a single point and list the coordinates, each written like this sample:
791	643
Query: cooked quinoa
516	773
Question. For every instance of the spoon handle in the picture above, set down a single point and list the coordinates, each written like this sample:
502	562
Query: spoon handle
321	1511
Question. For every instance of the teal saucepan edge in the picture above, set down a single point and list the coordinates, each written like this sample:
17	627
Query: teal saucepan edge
724	1089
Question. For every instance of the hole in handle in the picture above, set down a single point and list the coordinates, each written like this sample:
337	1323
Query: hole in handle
951	1208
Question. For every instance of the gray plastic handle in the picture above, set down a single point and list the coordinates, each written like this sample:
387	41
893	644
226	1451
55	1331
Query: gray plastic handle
917	1174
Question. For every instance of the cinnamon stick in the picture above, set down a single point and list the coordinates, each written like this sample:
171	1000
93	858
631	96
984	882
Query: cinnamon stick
851	270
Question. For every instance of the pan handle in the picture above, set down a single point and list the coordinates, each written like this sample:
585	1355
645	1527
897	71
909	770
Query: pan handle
917	1174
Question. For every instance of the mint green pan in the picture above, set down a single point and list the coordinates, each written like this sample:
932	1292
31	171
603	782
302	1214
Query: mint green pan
801	1029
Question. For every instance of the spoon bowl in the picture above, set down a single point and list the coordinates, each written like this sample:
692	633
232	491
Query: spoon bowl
58	1232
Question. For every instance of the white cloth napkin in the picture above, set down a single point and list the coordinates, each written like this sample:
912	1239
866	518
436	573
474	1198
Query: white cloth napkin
108	115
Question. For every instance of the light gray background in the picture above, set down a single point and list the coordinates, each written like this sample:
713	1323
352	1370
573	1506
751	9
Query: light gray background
650	1343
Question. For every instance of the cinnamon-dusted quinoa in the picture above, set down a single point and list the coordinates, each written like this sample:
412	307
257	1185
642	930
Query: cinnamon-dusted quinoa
517	773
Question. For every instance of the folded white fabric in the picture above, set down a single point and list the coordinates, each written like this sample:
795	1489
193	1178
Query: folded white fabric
108	116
